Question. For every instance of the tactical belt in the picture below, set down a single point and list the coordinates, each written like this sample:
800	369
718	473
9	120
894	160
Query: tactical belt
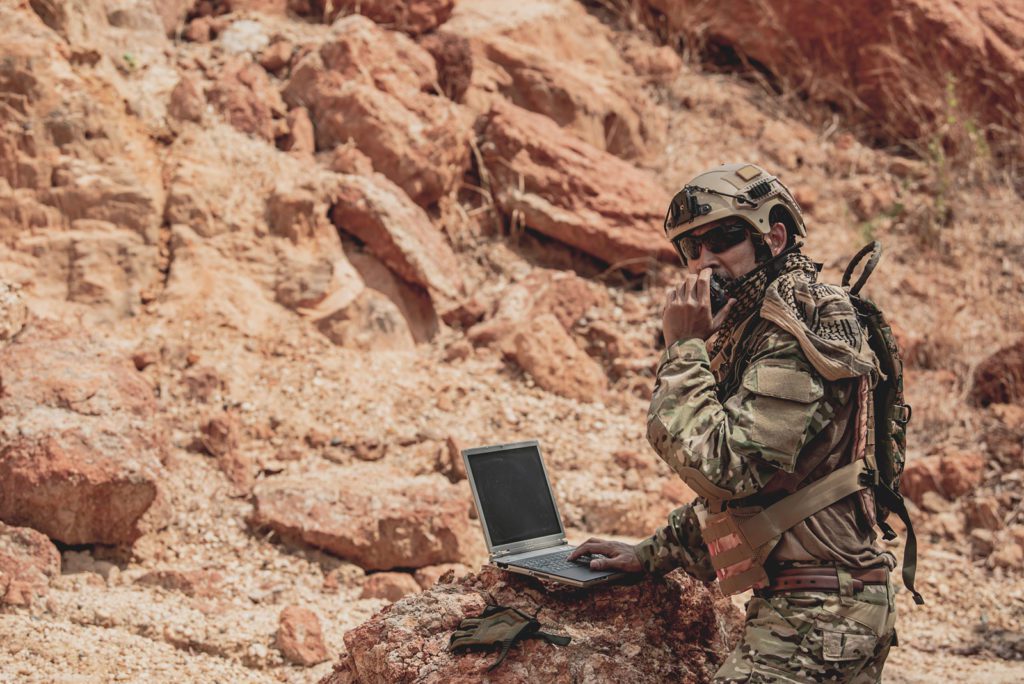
823	578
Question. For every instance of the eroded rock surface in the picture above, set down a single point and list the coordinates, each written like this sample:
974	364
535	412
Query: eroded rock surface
28	562
571	191
376	517
82	445
657	629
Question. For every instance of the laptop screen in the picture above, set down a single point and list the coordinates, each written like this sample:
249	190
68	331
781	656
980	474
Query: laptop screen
515	499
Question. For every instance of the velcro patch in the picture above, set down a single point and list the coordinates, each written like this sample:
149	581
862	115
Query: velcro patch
783	380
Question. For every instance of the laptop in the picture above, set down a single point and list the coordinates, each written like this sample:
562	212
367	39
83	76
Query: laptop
520	518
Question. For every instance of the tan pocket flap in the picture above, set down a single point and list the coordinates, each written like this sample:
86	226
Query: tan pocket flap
782	380
839	646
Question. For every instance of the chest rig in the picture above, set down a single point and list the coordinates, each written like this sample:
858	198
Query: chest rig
740	535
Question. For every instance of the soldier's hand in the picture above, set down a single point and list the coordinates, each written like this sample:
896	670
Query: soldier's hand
618	555
688	310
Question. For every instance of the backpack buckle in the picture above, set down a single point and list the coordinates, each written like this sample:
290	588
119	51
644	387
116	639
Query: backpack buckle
901	413
869	477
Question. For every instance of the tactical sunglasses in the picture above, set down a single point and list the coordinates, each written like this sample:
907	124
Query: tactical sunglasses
717	240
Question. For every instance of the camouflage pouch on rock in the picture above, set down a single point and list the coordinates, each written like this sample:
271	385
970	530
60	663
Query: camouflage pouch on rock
500	625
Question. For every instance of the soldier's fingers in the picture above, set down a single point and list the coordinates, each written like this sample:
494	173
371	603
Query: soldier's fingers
703	286
585	547
617	562
690	294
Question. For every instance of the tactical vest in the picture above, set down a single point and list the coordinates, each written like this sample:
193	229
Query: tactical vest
740	539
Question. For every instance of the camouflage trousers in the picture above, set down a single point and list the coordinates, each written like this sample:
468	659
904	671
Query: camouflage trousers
814	637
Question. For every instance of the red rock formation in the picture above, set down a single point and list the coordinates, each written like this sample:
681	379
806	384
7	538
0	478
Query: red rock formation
657	629
397	231
390	586
28	561
905	68
545	351
951	476
570	191
999	379
412	16
299	637
82	444
367	86
376	517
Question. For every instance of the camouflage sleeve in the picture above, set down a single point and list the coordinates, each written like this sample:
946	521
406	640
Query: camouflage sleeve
737	445
677	545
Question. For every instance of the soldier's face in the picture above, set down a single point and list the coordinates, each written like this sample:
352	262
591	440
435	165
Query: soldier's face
735	262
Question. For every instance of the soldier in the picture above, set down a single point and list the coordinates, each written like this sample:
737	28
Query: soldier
762	406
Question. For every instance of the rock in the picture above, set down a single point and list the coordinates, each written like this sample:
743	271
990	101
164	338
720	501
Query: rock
566	296
220	435
374	516
545	351
454	60
13	312
95	263
527	56
28	562
951	475
367	86
868	70
1008	556
204	194
999	379
445	572
397	231
306	283
571	191
301	138
292	213
299	637
244	36
371	322
390	586
415	303
449	460
983	542
82	444
414	16
276	56
985	513
245	97
187	101
194	583
675	630
347	159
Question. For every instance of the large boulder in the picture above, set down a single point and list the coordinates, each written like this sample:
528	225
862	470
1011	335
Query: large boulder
653	629
968	75
28	562
999	378
555	59
366	85
546	351
397	231
80	442
374	516
571	191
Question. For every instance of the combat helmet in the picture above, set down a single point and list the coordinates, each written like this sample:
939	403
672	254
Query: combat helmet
745	191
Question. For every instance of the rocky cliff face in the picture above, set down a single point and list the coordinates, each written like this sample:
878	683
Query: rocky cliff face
266	266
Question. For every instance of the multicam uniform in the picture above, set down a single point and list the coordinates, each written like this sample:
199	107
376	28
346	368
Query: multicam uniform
774	407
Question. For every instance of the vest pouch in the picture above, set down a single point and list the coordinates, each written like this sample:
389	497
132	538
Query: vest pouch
738	564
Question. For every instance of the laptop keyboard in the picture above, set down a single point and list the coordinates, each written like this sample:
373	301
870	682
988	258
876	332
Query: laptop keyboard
556	562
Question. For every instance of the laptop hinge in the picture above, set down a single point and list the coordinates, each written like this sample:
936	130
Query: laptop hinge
524	548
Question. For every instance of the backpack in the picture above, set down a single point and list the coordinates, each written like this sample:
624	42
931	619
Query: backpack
891	414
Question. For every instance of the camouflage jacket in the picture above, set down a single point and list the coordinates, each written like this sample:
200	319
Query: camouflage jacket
775	417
